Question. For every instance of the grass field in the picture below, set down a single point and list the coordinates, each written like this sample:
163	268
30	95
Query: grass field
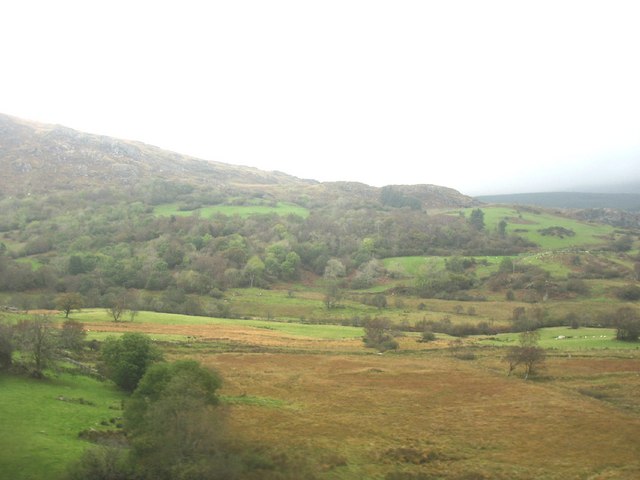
40	431
568	339
281	208
421	412
327	332
527	224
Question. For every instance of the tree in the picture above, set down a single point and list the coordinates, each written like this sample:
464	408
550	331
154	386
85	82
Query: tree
333	294
627	323
72	335
334	269
254	269
173	425
6	346
126	359
476	219
377	334
117	308
37	342
502	228
69	301
527	354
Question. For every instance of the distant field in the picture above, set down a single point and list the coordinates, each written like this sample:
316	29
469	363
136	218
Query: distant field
328	332
564	338
281	208
528	224
40	431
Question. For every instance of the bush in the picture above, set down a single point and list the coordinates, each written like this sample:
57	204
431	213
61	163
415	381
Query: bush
102	463
377	334
427	336
630	293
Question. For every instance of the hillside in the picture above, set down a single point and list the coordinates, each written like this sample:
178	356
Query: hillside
40	158
36	158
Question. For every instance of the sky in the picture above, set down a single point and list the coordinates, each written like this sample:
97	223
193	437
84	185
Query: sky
482	96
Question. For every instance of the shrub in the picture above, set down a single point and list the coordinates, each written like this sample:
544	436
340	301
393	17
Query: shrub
377	334
630	293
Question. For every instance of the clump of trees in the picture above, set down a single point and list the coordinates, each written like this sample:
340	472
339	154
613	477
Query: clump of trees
40	344
527	355
378	333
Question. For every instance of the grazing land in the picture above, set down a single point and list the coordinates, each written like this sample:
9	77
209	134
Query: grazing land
444	409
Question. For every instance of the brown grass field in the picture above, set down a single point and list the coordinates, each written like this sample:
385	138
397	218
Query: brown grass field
422	413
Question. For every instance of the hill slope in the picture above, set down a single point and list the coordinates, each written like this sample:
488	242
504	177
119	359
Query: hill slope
39	158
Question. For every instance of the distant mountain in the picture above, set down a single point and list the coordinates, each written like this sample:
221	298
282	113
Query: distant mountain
39	158
573	200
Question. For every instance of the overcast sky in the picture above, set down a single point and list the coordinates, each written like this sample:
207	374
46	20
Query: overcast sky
482	96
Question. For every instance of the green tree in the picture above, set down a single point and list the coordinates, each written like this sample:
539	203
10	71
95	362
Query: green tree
627	323
68	302
6	346
476	219
126	359
333	294
502	228
254	269
37	341
174	429
72	335
334	269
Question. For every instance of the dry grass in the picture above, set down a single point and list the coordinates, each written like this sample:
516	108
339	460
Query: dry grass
353	414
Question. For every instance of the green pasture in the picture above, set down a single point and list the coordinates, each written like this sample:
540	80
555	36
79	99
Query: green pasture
327	332
412	266
527	224
33	262
281	208
565	338
41	431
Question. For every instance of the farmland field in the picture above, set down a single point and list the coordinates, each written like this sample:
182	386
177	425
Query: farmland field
528	224
41	421
425	411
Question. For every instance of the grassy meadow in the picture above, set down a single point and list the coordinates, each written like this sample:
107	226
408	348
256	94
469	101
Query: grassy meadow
281	208
528	222
41	420
425	411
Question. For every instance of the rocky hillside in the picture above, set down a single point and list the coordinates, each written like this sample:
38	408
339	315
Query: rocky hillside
38	158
